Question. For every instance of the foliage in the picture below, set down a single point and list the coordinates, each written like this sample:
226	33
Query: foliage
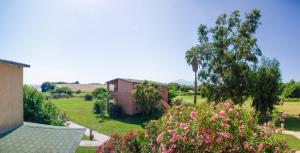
172	92
37	110
292	90
193	58
229	52
99	106
101	93
88	97
148	96
114	110
222	128
177	102
47	86
63	92
78	92
265	87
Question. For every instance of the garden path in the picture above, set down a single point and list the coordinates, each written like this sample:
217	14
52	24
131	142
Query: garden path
99	137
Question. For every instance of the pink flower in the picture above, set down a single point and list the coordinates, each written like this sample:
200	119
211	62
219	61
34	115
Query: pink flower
225	135
219	140
173	146
207	140
260	147
159	137
184	127
246	145
222	113
284	115
193	114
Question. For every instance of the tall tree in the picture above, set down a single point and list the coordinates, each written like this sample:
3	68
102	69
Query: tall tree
192	57
265	87
47	86
231	53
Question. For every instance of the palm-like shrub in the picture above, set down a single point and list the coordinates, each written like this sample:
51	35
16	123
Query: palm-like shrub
222	128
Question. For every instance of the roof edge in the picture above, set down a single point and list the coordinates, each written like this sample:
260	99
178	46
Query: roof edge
13	63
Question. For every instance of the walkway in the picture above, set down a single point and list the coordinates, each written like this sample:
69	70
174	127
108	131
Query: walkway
99	138
294	133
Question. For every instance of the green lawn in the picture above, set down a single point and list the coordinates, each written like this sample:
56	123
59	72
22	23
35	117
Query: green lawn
293	142
190	99
81	112
86	149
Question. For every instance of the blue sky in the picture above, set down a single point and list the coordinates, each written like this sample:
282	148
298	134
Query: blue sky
98	40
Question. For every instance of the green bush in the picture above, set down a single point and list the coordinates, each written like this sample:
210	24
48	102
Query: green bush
114	110
99	106
290	99
63	92
222	128
37	110
292	91
100	93
78	92
88	97
177	102
47	86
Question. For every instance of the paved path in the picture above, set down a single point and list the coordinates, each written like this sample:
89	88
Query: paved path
294	133
99	138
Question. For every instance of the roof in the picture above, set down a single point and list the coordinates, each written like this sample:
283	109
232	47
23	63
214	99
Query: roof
13	63
32	138
135	81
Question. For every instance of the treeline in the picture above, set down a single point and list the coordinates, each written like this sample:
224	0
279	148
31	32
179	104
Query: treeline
290	91
56	92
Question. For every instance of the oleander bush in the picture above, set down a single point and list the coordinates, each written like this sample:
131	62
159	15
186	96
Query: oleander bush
88	97
221	128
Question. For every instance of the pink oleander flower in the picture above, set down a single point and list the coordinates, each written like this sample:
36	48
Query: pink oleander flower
246	145
207	140
184	127
222	113
159	137
260	147
251	120
219	140
224	135
193	114
284	115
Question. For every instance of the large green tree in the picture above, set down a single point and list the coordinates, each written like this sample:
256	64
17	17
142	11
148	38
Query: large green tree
230	52
193	58
265	87
148	96
47	86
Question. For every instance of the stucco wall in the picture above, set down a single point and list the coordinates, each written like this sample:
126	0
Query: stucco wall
124	96
11	96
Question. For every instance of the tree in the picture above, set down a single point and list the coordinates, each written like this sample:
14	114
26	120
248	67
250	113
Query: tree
148	96
172	91
101	93
37	110
47	86
229	53
192	57
265	87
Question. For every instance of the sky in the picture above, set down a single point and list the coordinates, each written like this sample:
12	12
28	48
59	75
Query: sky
99	40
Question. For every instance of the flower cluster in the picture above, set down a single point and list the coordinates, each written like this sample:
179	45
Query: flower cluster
221	128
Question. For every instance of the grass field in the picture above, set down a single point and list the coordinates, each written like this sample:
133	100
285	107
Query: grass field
81	112
86	150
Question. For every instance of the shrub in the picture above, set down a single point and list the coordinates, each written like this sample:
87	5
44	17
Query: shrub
37	110
88	97
292	91
78	91
99	106
63	92
114	110
100	93
222	128
177	102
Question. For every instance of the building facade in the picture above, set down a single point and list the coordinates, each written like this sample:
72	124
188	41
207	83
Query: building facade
121	92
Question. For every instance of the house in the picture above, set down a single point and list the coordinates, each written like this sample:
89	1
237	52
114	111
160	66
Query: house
121	91
19	136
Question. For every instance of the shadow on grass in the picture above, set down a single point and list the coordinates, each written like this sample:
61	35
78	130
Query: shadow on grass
292	123
134	119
